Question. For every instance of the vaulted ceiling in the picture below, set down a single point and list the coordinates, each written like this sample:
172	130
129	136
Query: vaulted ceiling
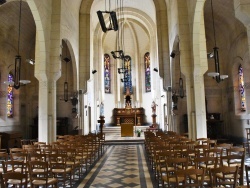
225	22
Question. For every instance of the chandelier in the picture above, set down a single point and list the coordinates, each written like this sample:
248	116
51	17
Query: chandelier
215	55
17	82
66	59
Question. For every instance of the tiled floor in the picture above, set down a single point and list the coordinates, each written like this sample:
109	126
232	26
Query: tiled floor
122	166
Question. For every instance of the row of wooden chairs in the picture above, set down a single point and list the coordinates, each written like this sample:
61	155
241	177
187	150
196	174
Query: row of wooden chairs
39	173
72	154
177	174
158	146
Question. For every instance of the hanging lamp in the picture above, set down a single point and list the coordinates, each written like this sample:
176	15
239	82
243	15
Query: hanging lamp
17	82
66	60
215	55
17	72
181	90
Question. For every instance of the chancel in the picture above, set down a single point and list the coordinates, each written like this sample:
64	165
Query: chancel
128	114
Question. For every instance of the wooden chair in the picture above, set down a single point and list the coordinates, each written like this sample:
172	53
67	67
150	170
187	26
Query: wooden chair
246	144
172	165
82	157
28	146
160	165
25	142
3	150
236	151
59	168
232	161
45	146
101	139
224	147
40	174
200	140
33	150
16	150
3	157
206	163
13	166
211	143
48	151
202	149
20	157
71	160
190	178
192	144
37	157
247	170
156	150
14	179
224	176
214	152
191	154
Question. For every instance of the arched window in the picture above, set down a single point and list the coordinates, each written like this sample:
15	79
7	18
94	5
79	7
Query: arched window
10	100
107	80
127	74
147	72
242	89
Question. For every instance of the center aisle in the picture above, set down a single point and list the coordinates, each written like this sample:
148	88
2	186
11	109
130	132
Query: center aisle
121	166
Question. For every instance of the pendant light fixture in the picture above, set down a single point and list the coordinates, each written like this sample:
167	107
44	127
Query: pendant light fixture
112	23
181	90
215	55
17	72
66	59
17	82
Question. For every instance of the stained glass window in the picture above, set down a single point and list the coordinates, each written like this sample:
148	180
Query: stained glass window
147	72
10	98
242	89
127	74
107	81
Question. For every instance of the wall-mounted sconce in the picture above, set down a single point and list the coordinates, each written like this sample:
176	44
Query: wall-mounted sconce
66	59
94	71
30	61
210	55
172	54
155	69
118	54
122	70
124	80
112	25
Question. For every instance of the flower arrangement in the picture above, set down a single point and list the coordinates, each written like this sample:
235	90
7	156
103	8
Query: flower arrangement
138	130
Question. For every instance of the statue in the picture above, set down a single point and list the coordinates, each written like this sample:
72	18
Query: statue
127	98
101	109
175	100
153	106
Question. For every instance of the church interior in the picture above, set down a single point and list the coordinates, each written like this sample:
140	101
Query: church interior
170	46
82	67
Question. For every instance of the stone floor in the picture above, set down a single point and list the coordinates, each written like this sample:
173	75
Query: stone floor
122	165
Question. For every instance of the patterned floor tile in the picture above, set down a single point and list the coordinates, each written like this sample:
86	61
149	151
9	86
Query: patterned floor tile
121	166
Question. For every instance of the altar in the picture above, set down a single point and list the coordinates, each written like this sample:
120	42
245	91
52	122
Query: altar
127	115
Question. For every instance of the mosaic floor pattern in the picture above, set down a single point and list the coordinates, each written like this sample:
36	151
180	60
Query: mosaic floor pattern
122	166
